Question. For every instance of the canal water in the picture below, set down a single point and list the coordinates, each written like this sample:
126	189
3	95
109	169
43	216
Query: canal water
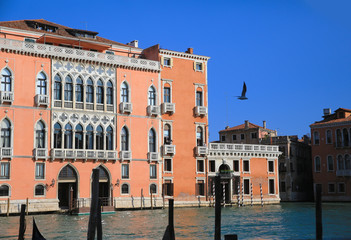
282	221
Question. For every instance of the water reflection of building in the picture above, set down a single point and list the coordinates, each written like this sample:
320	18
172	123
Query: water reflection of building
72	101
331	154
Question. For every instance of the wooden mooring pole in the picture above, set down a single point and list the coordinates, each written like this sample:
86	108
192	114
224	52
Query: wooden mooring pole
22	226
169	233
319	227
218	196
152	207
8	207
27	208
141	199
93	218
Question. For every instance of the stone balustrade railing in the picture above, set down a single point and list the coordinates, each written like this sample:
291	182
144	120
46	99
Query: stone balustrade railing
242	147
71	53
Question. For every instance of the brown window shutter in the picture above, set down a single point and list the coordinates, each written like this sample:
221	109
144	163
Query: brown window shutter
163	189
197	188
171	189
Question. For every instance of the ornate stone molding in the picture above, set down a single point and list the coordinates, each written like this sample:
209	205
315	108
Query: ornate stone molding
84	119
169	53
243	150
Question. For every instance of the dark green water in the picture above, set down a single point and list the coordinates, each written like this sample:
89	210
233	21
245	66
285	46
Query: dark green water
284	221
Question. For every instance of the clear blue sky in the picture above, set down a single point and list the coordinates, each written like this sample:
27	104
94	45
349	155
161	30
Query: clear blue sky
294	55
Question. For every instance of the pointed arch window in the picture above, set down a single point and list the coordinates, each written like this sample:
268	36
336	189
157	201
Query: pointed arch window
57	136
329	139
199	136
347	162
99	138
6	80
198	98
90	91
109	93
68	89
124	92
338	138
340	163
78	137
152	96
316	138
100	92
40	133
152	140
5	133
167	135
345	135
68	136
79	90
124	139
57	87
41	84
89	139
109	138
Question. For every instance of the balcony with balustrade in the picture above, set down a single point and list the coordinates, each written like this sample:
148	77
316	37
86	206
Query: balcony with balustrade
200	111
168	108
343	173
84	154
6	152
229	149
6	97
42	100
201	150
168	150
125	156
152	156
153	110
126	107
40	153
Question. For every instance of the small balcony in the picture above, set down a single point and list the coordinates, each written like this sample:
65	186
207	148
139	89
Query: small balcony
6	96
343	173
152	156
42	100
83	154
168	108
126	107
169	149
40	153
125	155
200	111
6	152
201	150
153	110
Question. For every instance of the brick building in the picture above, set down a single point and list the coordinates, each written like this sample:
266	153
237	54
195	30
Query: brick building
331	154
72	101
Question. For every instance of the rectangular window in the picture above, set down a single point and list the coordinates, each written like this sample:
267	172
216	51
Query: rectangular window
167	62
330	164
198	98
212	166
125	171
198	67
271	166
168	165
5	170
331	187
236	165
329	137
39	170
341	187
282	187
166	95
29	40
200	166
110	52
317	164
223	138
271	186
234	137
242	136
246	186
246	167
200	188
153	171
168	188
253	135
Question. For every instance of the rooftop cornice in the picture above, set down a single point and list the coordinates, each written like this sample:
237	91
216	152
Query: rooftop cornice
113	46
71	54
183	55
333	124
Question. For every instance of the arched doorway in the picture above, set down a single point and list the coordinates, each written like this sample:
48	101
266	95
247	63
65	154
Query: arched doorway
226	176
67	186
104	186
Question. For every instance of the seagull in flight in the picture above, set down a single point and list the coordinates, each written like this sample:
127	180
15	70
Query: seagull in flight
243	93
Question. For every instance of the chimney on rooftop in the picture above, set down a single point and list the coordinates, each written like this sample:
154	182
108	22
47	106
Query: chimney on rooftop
226	127
134	43
264	124
246	124
190	50
326	111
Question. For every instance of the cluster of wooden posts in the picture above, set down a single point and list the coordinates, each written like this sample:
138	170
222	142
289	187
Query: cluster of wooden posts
95	224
